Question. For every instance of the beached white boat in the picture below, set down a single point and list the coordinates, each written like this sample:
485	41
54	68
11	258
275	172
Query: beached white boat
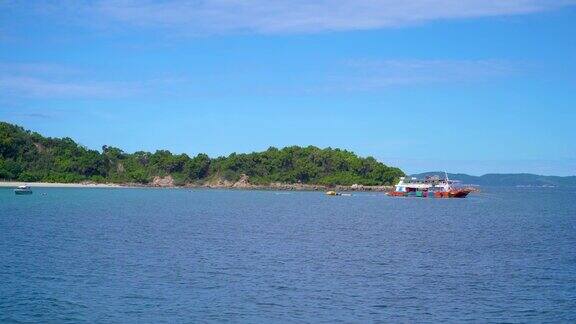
23	190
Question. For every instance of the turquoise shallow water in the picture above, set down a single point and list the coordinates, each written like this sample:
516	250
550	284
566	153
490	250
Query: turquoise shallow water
146	255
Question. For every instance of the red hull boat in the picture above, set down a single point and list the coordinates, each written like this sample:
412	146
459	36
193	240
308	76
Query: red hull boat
431	187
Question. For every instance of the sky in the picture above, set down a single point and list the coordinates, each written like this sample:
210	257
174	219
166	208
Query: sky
472	86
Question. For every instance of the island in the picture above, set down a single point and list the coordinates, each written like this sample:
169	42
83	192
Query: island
27	156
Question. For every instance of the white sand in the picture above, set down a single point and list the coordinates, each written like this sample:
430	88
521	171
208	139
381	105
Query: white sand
14	184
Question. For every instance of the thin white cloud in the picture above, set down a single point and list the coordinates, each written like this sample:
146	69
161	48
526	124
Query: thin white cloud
41	80
37	69
302	16
45	88
378	74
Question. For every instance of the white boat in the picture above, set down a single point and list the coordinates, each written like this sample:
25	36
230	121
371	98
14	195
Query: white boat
431	187
23	190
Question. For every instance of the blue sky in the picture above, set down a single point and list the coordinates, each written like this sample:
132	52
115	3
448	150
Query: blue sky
473	86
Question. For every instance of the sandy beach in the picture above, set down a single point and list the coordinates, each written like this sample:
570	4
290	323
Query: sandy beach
225	185
14	184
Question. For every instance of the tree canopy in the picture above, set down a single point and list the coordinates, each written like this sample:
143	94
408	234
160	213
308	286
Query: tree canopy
29	156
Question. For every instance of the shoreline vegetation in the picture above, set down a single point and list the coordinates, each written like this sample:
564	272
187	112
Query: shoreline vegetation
28	157
240	185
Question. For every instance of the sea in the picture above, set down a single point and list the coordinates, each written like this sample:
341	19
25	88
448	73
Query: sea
86	255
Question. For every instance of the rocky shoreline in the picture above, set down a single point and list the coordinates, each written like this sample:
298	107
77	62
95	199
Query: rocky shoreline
244	184
168	182
291	187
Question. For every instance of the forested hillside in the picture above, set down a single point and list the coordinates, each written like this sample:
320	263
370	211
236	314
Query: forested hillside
29	156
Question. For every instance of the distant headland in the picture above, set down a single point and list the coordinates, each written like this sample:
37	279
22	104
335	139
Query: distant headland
507	180
29	157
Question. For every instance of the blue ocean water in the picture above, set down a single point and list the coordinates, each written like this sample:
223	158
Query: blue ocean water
176	255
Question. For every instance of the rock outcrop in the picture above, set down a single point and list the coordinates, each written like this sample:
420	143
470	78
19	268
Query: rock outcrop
120	167
40	147
217	183
166	181
243	182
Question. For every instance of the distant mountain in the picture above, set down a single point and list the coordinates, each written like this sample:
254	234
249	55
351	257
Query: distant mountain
517	179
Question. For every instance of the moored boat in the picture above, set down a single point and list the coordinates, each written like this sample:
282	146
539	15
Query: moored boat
23	190
430	187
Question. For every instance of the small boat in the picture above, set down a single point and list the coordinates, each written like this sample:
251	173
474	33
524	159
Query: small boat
23	190
332	193
430	187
